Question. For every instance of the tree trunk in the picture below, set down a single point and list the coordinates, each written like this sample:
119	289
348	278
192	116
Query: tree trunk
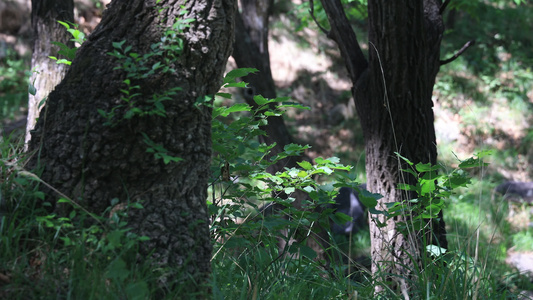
250	50
392	92
46	72
405	60
93	162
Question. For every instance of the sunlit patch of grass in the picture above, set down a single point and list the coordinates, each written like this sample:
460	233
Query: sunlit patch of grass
523	241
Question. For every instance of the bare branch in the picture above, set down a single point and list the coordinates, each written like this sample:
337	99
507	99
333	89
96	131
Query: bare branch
312	12
456	55
342	33
443	6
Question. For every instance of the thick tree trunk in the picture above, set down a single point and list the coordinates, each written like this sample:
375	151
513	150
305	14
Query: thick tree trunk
46	72
94	163
392	92
403	67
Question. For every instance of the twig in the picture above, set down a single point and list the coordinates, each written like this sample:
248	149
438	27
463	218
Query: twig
312	12
443	6
456	55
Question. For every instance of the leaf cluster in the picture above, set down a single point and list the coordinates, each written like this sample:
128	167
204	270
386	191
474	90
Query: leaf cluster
70	53
242	188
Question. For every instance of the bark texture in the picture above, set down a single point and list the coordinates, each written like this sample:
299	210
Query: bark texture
46	72
93	163
392	92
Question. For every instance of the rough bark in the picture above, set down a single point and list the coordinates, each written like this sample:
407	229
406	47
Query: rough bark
93	163
46	72
392	92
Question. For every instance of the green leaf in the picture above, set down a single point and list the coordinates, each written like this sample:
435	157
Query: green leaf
273	113
156	66
412	172
326	170
117	270
430	176
340	218
289	190
64	24
137	205
308	252
230	77
64	61
404	158
42	102
406	187
39	195
129	114
427	187
292	105
369	199
472	163
31	89
118	45
484	153
167	159
236	84
66	241
137	291
420	167
224	95
459	181
260	100
115	237
305	165
79	36
435	250
236	108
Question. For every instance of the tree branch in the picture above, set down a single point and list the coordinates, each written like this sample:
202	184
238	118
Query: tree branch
443	6
312	13
456	55
342	33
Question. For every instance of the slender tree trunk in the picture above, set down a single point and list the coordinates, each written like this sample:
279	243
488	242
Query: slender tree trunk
46	72
93	162
392	92
250	50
